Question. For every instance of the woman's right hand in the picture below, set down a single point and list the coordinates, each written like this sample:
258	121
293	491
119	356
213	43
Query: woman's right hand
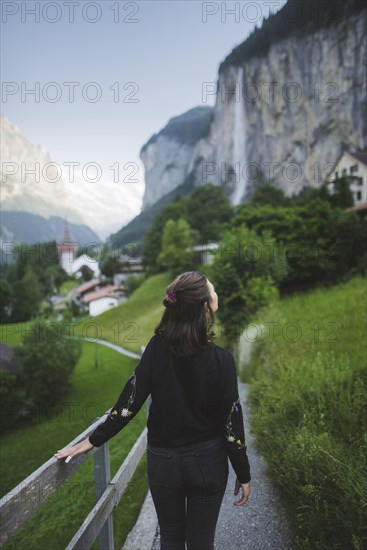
246	490
80	448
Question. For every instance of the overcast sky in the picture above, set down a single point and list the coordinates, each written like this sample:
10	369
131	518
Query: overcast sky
146	61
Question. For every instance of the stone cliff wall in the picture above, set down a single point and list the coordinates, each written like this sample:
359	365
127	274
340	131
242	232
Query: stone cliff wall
284	117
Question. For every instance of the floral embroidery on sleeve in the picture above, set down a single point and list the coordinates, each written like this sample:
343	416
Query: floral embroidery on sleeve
125	410
231	435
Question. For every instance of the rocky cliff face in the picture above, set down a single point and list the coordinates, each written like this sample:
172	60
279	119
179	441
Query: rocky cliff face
170	156
300	106
284	117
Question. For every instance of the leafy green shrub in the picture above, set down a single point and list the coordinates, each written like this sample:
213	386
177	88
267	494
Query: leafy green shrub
176	253
321	243
47	359
11	395
246	270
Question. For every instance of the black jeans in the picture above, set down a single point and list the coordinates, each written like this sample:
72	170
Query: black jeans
187	485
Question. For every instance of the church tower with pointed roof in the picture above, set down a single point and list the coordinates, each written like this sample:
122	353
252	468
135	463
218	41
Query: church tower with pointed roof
67	248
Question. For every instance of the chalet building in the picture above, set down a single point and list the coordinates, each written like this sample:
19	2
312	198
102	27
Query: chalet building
130	266
89	286
205	252
107	297
353	165
360	209
95	297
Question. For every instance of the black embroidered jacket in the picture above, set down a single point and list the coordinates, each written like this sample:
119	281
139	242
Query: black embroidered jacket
193	400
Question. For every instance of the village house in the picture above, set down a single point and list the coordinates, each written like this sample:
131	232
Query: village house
104	299
130	266
353	165
89	286
205	252
96	297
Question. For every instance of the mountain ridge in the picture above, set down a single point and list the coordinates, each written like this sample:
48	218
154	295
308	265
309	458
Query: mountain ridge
31	228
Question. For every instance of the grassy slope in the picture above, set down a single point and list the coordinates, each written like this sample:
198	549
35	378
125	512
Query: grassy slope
130	324
311	398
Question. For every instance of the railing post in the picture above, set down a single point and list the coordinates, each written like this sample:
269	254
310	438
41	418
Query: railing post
102	476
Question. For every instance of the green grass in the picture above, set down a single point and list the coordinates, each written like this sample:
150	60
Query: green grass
67	286
12	334
310	396
23	450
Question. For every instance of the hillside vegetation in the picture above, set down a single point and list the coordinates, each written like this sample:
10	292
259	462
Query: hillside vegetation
308	387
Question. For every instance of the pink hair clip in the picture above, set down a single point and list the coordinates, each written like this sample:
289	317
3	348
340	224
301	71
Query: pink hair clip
171	296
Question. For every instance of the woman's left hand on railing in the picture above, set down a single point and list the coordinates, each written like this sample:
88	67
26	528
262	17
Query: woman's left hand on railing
83	447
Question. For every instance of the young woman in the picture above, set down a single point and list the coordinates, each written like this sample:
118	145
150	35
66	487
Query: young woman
195	419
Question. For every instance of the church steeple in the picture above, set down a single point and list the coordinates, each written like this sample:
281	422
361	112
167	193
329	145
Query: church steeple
67	248
66	236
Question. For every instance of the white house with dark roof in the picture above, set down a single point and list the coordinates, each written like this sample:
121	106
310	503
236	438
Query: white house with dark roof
353	165
88	286
104	298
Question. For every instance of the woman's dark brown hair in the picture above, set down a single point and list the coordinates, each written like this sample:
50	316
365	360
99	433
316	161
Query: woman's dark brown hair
186	324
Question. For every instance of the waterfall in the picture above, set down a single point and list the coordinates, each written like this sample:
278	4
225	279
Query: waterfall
239	145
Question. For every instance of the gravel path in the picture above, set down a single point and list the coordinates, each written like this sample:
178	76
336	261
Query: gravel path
117	348
261	524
